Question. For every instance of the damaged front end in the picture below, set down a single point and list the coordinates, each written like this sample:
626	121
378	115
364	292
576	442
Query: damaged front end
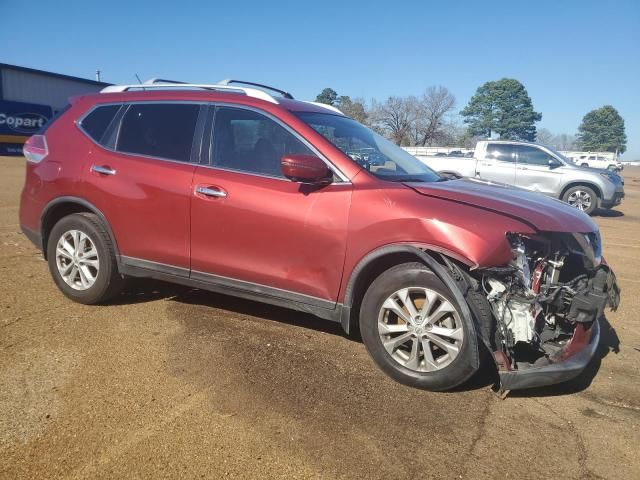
546	304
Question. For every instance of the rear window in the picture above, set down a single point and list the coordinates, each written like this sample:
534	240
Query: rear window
96	123
159	130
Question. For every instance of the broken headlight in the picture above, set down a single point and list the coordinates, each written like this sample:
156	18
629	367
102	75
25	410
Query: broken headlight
590	246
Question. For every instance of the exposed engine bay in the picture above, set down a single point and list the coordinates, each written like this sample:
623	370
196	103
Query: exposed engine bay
555	285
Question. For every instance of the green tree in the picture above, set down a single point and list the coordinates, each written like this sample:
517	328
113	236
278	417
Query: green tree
328	96
503	107
602	130
352	108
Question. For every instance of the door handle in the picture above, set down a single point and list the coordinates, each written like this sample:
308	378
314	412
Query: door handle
486	164
102	170
211	192
523	168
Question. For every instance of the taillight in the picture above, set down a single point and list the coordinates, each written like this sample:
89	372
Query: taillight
35	149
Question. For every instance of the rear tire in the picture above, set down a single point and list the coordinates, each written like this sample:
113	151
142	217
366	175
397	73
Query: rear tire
438	350
582	197
82	259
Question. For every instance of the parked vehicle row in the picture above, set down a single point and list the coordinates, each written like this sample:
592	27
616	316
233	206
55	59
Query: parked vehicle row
235	190
598	161
454	153
537	168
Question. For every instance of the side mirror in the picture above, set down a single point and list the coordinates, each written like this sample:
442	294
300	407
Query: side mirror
554	163
305	168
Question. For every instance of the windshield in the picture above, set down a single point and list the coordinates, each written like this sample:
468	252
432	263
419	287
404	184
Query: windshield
371	151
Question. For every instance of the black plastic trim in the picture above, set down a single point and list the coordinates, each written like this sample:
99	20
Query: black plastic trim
263	290
33	236
555	372
214	283
154	266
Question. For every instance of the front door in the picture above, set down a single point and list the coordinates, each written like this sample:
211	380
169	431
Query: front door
537	170
252	228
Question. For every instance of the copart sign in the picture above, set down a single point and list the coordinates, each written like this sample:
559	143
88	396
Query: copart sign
20	119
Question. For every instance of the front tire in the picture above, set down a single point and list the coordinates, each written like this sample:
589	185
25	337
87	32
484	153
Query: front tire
415	331
581	197
82	259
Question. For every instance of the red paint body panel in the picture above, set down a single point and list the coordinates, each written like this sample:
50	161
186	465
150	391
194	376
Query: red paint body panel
545	213
60	173
146	203
271	231
394	214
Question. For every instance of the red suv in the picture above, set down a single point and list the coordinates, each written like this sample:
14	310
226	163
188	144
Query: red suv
233	189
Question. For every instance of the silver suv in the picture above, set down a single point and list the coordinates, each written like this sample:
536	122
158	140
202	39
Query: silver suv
538	168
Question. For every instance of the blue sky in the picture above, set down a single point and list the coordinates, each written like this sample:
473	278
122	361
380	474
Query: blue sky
572	56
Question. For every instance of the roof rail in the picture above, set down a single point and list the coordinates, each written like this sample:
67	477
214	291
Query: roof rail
152	81
223	86
259	85
158	83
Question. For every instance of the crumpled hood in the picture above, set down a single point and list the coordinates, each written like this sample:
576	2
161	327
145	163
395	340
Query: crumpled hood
540	211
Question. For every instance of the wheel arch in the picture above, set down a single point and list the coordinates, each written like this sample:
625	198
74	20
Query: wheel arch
383	258
61	207
582	183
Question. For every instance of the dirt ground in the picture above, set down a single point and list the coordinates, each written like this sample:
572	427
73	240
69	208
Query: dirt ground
177	382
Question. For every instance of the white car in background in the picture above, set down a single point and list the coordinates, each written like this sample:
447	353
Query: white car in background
598	161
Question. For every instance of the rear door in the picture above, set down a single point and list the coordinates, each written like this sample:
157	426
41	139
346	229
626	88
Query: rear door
534	172
140	178
498	164
256	230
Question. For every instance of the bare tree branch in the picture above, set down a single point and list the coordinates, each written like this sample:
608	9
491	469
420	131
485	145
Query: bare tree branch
395	117
434	104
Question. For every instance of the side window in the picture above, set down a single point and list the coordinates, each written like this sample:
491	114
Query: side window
501	151
250	142
162	130
533	156
96	123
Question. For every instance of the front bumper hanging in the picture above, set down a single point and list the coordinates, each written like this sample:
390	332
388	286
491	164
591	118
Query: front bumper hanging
567	363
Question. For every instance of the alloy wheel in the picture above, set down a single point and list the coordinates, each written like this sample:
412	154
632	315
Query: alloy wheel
580	200
420	329
77	260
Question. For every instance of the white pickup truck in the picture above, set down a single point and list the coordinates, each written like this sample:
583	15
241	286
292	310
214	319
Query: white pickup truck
535	167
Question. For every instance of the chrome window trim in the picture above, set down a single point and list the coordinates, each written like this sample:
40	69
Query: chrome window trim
344	180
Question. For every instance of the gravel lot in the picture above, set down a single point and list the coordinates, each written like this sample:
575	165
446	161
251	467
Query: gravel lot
171	381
